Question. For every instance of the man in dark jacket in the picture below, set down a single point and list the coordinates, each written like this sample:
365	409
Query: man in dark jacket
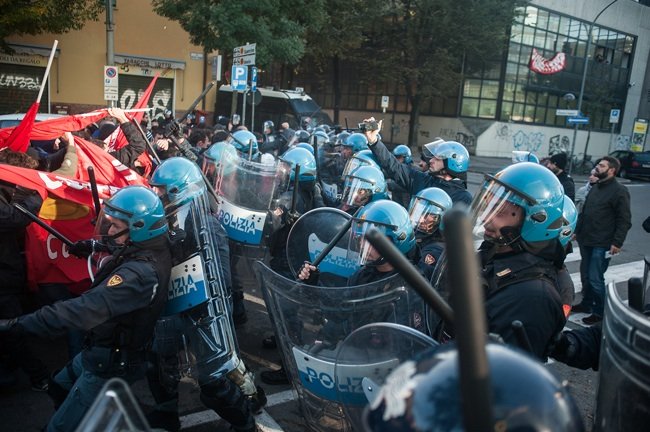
118	312
557	164
602	226
448	163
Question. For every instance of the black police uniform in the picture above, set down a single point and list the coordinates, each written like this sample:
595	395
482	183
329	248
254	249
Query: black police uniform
430	249
118	312
413	180
522	286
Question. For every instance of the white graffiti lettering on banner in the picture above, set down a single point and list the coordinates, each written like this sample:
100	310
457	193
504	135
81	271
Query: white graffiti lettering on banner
23	82
160	101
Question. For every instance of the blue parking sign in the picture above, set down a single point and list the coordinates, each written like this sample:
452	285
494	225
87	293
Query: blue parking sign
239	78
253	79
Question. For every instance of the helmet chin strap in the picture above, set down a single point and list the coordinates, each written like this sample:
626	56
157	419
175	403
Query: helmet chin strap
510	236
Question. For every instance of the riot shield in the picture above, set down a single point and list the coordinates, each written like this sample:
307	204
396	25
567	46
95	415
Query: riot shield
198	298
366	357
311	323
247	190
330	169
308	237
623	398
115	409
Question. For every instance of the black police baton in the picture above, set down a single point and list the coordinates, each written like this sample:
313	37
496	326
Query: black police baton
146	140
43	225
294	196
197	100
94	191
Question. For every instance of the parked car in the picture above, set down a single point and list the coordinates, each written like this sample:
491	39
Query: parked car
9	120
633	164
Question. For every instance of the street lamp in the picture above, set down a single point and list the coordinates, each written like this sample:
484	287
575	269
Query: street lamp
584	79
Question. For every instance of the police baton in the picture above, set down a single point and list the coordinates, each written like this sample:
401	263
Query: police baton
471	331
94	191
149	146
294	197
197	100
43	225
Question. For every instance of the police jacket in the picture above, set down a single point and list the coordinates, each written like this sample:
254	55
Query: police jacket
121	307
522	286
605	218
429	250
12	233
413	180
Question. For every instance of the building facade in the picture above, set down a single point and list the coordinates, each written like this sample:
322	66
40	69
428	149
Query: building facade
145	44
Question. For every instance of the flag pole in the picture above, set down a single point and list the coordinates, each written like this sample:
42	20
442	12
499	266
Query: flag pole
47	71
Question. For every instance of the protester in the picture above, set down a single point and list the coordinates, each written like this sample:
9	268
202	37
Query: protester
557	164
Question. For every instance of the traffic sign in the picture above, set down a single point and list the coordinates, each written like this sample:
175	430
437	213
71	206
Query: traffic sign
111	78
253	79
239	78
244	55
567	112
578	120
614	115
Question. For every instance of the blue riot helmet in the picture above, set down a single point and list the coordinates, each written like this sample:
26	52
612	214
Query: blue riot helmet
391	219
364	185
243	140
362	158
302	157
341	138
405	152
427	209
454	155
134	211
176	181
320	138
523	202
424	395
302	136
305	146
219	159
569	221
356	142
524	156
268	125
428	148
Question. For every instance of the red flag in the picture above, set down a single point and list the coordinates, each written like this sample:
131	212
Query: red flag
54	128
18	141
108	170
117	140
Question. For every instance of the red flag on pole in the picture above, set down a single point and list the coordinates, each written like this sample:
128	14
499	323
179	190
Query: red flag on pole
18	141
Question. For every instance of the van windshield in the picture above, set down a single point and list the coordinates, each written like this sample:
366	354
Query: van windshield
309	108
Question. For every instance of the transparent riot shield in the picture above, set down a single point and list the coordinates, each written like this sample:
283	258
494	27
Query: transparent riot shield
311	323
247	190
115	409
197	322
623	398
308	237
330	169
366	357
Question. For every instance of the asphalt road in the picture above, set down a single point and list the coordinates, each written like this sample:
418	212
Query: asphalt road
22	409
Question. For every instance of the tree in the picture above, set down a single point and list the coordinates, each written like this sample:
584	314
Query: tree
422	45
20	17
277	26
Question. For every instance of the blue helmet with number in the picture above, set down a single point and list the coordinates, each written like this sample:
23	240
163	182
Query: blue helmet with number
302	157
427	209
424	394
391	219
243	140
356	142
176	181
570	219
527	186
405	152
140	208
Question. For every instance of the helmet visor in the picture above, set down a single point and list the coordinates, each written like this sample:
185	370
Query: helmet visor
497	207
357	192
429	149
360	250
352	165
425	216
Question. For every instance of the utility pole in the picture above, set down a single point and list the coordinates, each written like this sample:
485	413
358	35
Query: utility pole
110	41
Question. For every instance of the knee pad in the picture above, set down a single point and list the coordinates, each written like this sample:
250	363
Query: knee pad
243	378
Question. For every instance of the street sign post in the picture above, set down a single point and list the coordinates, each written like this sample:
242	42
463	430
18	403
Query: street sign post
239	78
111	78
244	55
614	115
384	103
567	112
578	120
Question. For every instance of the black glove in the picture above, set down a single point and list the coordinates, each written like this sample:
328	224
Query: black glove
313	275
291	218
173	129
83	248
8	325
564	348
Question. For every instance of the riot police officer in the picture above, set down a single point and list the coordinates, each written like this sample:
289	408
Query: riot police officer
245	143
362	186
270	142
448	164
119	310
232	395
426	211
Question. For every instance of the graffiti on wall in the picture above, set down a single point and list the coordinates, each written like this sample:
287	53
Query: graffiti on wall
519	139
622	142
466	139
20	81
559	144
159	101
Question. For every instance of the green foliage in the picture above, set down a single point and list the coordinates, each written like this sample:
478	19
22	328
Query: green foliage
20	17
277	26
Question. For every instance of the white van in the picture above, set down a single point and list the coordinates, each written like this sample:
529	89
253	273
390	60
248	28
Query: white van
291	106
9	120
